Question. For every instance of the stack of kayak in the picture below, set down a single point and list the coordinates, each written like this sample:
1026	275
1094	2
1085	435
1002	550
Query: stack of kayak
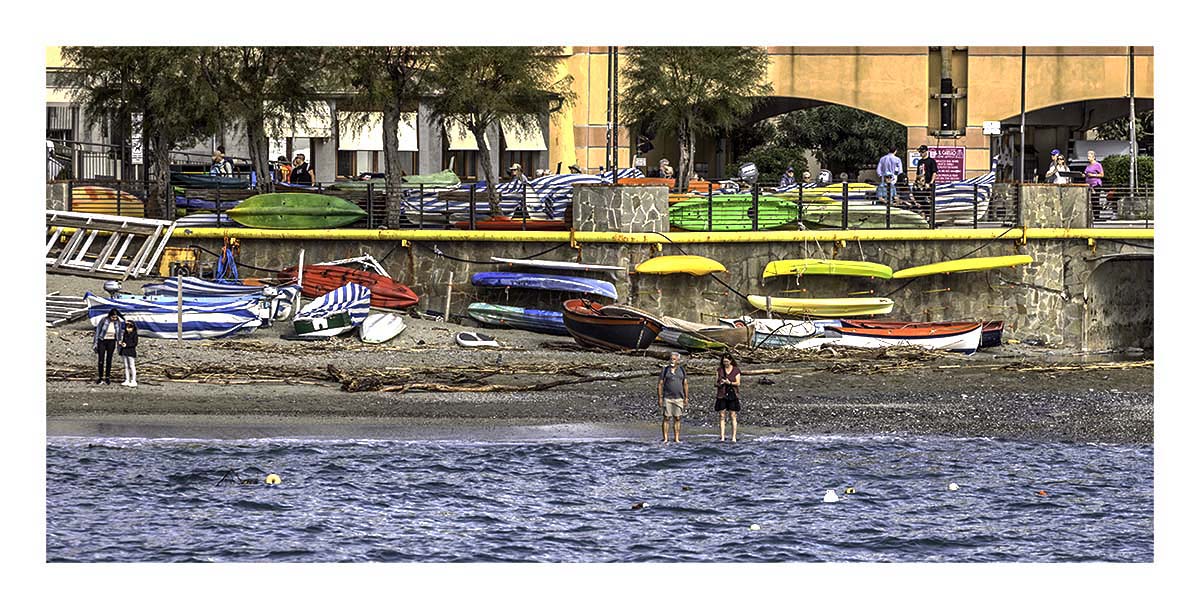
536	320
272	303
201	319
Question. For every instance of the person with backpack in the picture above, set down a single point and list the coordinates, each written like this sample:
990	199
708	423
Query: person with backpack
672	395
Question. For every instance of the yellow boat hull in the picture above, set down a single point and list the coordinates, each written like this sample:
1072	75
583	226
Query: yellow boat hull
669	265
965	265
823	307
812	266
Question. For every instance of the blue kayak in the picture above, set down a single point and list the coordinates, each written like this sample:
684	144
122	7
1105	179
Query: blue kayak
534	320
534	281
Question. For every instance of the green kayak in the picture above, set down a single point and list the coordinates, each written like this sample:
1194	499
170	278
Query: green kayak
732	213
862	216
294	210
441	179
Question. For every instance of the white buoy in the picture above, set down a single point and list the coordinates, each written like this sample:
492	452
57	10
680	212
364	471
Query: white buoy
754	527
953	486
831	496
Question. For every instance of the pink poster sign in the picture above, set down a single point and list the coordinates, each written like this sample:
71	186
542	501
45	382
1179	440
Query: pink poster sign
951	163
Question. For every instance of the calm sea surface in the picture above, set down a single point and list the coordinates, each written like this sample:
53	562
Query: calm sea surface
135	499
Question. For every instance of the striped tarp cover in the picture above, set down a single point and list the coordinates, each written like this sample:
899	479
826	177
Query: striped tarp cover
194	286
351	298
205	219
160	320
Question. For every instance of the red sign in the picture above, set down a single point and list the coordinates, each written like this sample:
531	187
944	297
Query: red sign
951	163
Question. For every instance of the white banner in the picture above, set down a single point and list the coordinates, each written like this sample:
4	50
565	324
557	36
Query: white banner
135	139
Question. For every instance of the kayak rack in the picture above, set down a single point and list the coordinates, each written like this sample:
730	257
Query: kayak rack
117	257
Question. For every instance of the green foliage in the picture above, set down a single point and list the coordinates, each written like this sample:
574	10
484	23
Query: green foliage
772	161
692	91
1116	170
1118	129
481	85
843	139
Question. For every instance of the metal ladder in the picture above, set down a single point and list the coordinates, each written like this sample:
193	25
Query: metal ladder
75	257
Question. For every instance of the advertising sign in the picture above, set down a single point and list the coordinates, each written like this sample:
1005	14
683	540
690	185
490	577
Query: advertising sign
951	163
135	140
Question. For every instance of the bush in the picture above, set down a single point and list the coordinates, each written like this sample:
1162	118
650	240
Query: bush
1116	170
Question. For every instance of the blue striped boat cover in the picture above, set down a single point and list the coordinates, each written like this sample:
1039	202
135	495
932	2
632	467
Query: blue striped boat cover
194	286
201	203
160	320
351	298
205	219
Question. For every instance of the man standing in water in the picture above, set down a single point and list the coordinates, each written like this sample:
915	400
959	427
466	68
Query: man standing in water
672	394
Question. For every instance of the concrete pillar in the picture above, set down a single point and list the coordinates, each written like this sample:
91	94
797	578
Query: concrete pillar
429	139
1053	206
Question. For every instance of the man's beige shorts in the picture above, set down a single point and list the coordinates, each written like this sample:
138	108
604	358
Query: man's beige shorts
673	407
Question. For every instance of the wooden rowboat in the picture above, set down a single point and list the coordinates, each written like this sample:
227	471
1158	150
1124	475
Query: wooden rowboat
590	328
992	330
961	337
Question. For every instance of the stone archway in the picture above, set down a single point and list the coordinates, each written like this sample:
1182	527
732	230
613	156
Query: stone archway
1119	304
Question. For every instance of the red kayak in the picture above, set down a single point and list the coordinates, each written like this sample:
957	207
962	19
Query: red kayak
992	330
321	279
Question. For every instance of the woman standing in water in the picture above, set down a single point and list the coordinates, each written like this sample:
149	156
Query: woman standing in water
729	380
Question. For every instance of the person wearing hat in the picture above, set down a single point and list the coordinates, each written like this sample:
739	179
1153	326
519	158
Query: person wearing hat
664	169
515	173
788	179
1058	172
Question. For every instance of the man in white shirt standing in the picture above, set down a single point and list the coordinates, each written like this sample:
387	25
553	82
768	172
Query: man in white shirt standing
888	168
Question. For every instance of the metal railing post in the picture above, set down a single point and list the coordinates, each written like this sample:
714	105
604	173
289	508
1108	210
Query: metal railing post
1091	215
218	203
471	216
710	208
933	206
887	212
800	206
1017	205
975	206
421	207
524	205
845	205
754	207
370	205
70	195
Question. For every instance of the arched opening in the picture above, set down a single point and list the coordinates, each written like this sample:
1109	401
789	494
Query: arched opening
1119	304
1064	127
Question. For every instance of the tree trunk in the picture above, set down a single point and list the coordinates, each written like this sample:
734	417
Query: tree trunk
488	173
260	153
687	148
159	170
391	161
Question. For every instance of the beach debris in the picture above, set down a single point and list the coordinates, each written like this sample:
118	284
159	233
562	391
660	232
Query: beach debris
953	486
754	527
850	490
831	496
641	505
272	479
128	247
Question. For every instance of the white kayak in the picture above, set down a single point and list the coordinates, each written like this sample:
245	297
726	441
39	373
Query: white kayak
475	339
966	341
381	327
557	265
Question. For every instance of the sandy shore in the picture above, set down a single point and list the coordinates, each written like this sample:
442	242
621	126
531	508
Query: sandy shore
261	385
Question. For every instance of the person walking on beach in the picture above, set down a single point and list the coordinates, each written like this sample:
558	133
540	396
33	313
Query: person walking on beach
672	394
729	381
109	332
128	350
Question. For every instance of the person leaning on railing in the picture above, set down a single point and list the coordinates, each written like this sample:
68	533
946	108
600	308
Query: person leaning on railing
1094	174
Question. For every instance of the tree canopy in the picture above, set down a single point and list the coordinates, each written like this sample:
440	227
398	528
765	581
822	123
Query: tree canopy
691	91
481	85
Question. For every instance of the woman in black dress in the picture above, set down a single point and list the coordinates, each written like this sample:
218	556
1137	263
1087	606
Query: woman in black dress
128	351
729	381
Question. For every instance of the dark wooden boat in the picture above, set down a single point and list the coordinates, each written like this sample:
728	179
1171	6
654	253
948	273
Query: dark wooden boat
992	330
320	279
591	328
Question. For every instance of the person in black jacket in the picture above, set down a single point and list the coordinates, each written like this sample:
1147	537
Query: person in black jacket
128	351
109	331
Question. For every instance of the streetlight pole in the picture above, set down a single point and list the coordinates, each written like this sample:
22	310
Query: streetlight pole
1133	151
1021	154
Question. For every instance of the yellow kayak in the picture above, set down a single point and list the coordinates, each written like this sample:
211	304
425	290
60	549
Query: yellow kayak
812	266
964	265
667	265
824	307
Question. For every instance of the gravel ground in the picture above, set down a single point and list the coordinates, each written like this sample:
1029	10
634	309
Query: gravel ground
990	394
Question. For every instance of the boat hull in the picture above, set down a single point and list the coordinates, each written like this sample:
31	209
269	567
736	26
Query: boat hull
811	266
962	338
823	307
320	279
295	210
963	265
732	213
992	330
381	327
668	265
537	281
532	320
590	328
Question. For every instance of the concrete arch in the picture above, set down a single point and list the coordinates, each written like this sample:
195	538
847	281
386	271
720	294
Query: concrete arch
776	105
889	82
1119	303
1081	114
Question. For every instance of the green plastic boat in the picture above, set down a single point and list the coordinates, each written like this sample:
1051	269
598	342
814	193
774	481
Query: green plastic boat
441	179
732	213
294	210
862	216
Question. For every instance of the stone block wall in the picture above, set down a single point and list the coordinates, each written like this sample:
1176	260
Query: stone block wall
1072	295
1054	206
623	209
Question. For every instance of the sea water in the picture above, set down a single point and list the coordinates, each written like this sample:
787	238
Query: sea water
572	499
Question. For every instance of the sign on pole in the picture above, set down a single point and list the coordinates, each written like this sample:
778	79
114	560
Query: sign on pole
951	163
639	161
991	127
135	139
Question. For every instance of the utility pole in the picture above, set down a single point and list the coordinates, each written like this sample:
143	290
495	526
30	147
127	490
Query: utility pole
1133	151
1021	154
